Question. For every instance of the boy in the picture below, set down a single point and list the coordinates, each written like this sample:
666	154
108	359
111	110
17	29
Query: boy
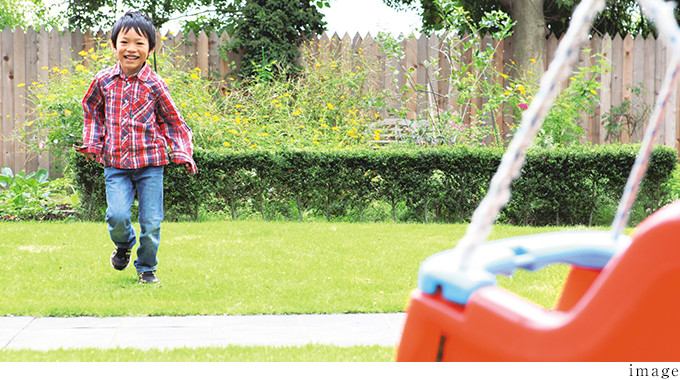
130	121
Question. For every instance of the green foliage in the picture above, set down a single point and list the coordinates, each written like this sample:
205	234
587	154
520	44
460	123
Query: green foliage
26	13
22	194
618	16
272	31
85	14
578	185
330	105
627	118
562	125
468	122
464	122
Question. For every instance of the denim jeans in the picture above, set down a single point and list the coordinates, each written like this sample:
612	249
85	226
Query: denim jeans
120	193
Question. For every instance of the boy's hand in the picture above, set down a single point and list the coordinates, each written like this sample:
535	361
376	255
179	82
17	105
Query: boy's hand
89	156
189	167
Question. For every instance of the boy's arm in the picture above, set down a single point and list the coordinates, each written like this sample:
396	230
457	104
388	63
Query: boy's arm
94	119
176	132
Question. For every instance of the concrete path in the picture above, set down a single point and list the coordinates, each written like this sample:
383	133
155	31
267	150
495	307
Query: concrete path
200	331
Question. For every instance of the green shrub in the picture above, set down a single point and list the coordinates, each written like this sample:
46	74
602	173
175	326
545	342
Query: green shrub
566	186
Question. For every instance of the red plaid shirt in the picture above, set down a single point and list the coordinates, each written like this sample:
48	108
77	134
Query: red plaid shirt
130	122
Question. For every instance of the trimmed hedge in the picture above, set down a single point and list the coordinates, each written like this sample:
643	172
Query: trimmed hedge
571	186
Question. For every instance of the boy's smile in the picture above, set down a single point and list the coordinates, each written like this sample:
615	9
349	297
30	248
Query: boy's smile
131	50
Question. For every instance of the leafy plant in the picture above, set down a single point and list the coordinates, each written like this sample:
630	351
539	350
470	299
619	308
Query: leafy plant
23	194
627	118
465	121
273	30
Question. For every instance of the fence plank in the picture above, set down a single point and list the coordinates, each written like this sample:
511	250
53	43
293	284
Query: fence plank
202	53
31	49
214	52
19	115
606	91
649	73
7	97
627	78
42	66
422	86
669	117
660	65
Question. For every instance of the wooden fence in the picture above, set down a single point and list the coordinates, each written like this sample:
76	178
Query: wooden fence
635	61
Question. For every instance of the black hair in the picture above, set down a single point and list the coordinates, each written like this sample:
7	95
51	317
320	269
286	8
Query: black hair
137	20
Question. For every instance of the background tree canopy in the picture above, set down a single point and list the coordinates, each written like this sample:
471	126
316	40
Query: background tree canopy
535	19
619	16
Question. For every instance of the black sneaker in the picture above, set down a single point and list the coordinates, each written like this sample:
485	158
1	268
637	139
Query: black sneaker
147	277
120	258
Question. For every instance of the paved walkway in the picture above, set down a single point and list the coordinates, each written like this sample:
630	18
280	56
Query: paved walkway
200	331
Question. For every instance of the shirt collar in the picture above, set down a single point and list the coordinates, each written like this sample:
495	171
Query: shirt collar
142	74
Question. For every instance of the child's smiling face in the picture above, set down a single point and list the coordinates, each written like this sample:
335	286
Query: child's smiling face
131	50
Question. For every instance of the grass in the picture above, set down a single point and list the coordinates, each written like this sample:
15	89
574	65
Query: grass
307	353
62	269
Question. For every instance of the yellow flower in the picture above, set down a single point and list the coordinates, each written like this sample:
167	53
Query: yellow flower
252	146
193	76
593	92
324	125
80	68
82	53
216	118
21	84
533	60
45	68
64	71
67	112
226	143
504	76
184	105
330	106
238	105
334	128
296	112
506	93
530	72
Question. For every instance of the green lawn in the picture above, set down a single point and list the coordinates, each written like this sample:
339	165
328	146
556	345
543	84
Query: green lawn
307	353
62	269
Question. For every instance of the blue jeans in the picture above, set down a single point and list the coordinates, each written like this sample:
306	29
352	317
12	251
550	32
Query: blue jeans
120	193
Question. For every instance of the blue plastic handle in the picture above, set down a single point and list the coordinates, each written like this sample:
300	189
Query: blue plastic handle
586	249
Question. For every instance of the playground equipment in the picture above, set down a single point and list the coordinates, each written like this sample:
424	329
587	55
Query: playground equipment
620	301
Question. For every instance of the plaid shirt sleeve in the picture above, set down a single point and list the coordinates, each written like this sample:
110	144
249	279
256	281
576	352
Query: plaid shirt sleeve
176	132
94	120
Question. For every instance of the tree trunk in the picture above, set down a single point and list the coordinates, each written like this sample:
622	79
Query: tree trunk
528	34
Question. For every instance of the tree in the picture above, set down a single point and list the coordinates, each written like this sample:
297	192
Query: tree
270	32
535	19
86	14
25	14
